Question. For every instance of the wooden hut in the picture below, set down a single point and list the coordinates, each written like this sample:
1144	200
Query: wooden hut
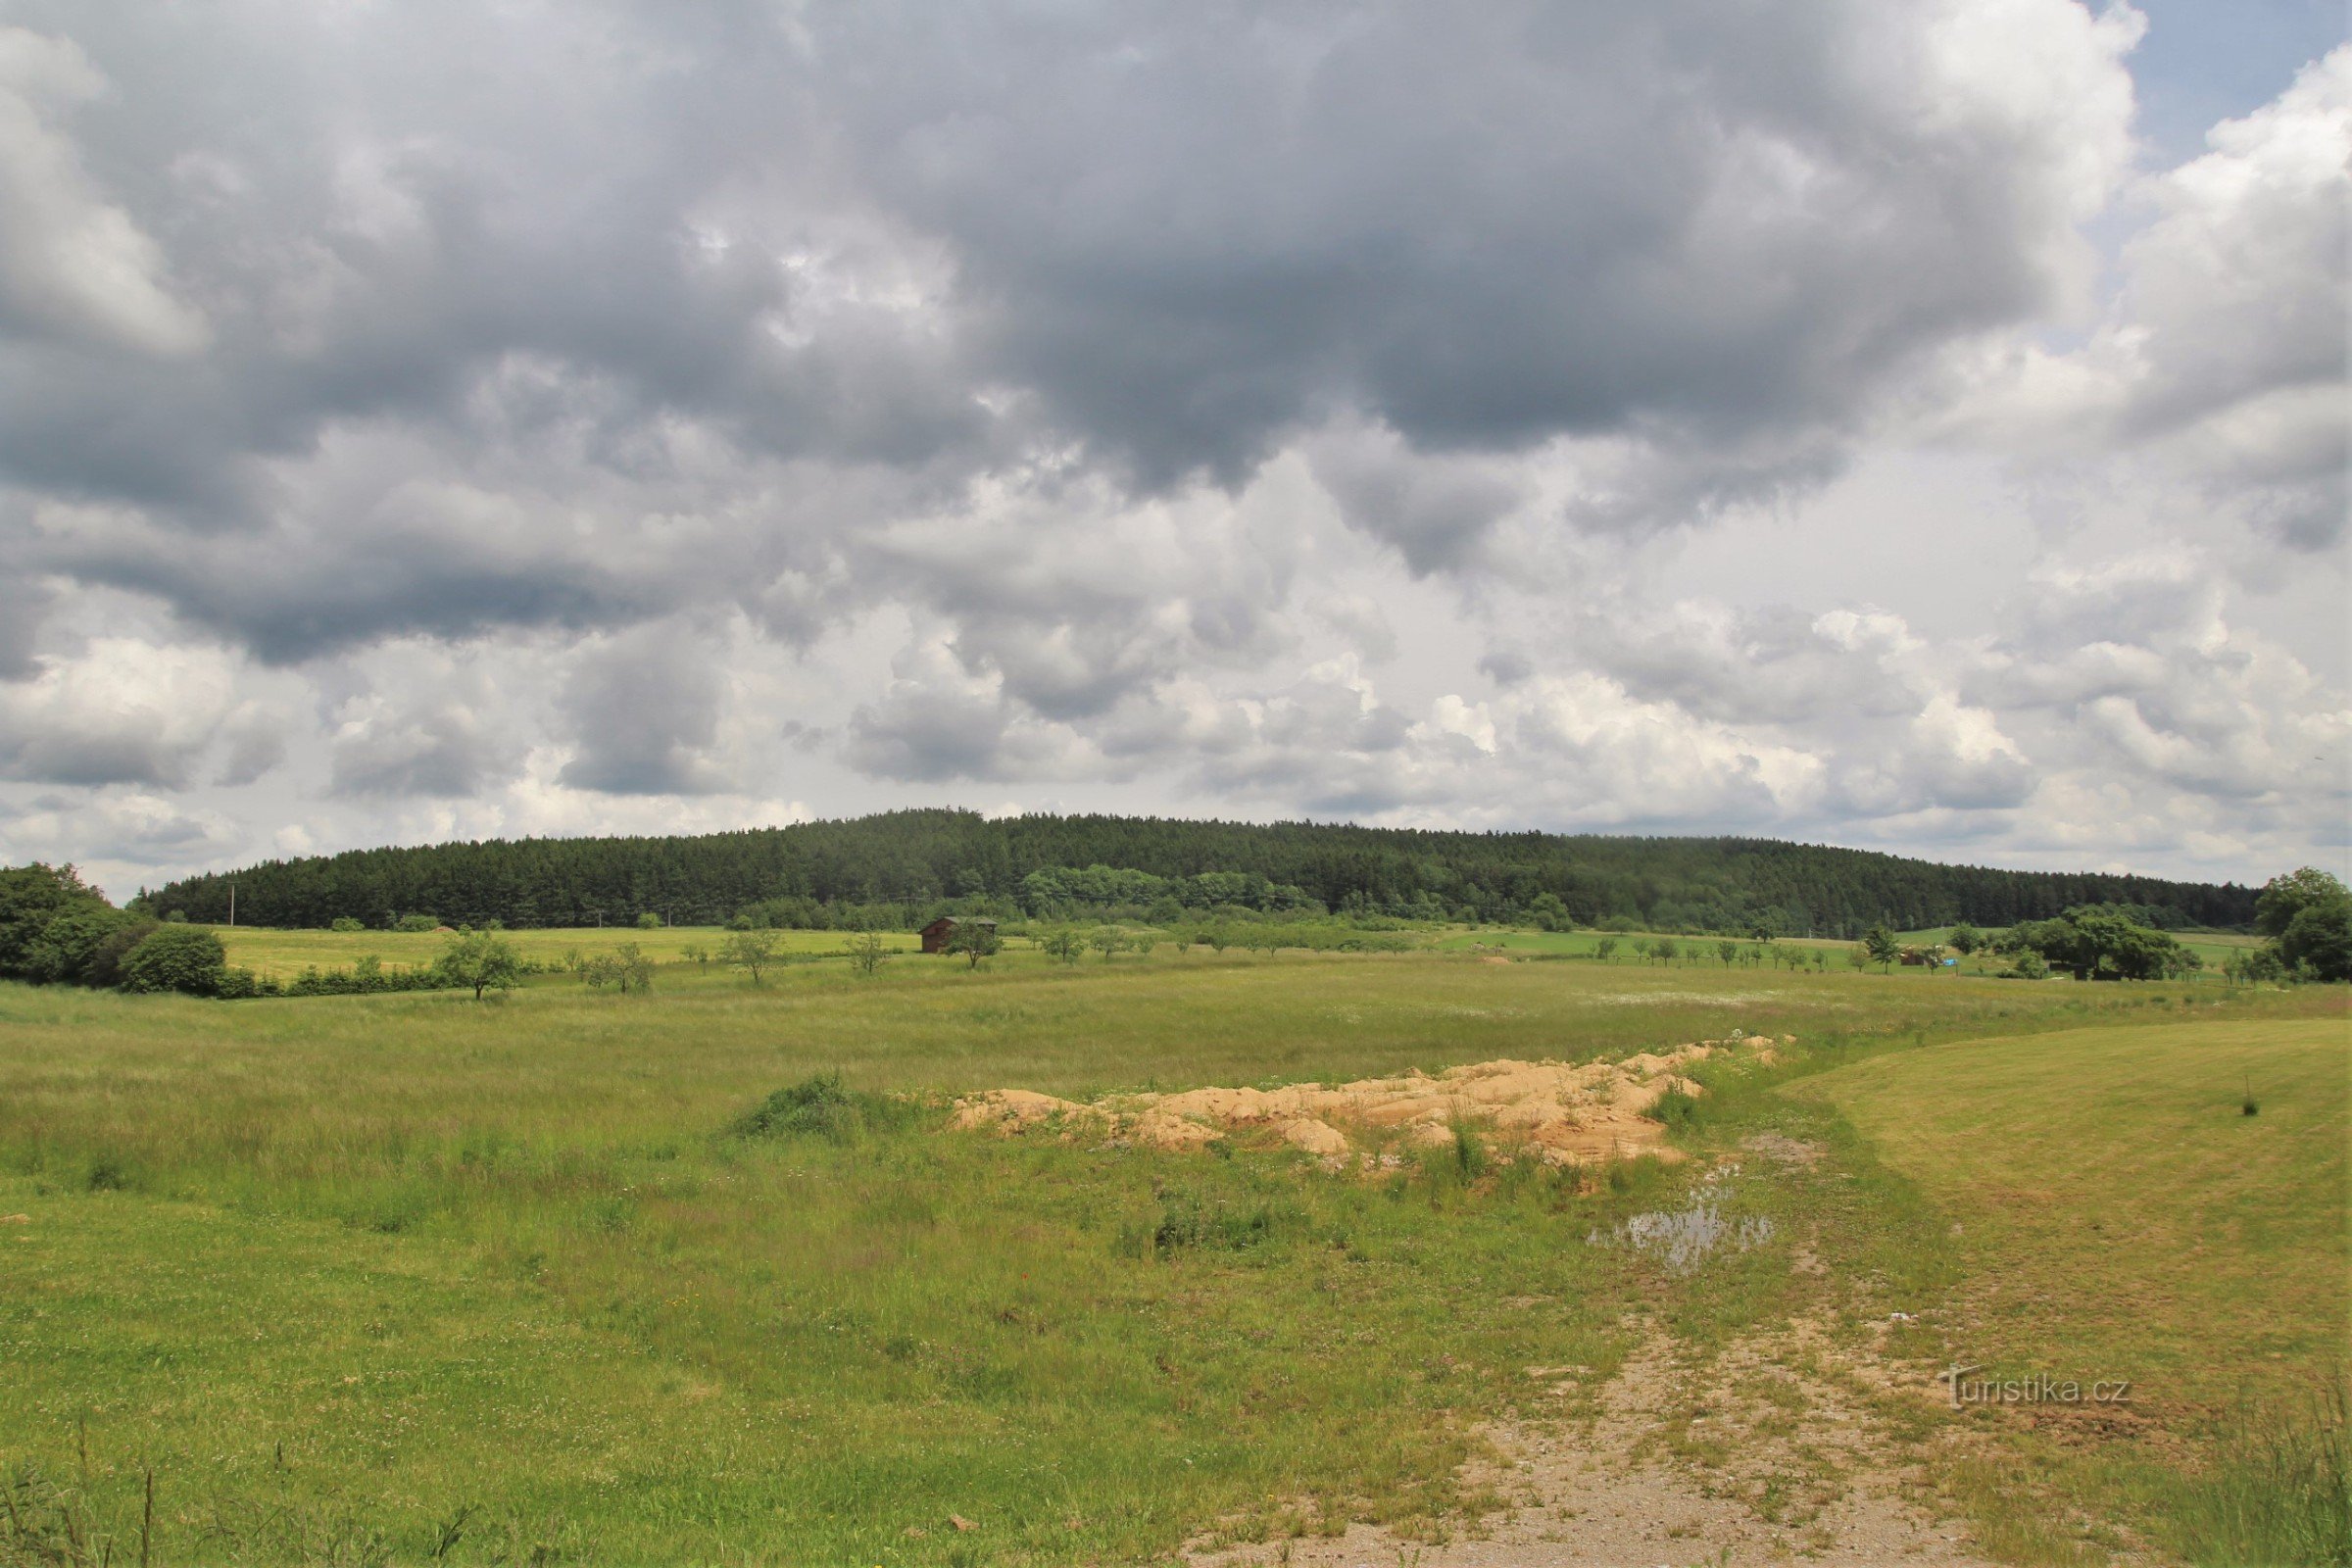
937	934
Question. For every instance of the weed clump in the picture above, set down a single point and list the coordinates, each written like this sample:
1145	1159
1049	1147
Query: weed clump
1188	1222
821	1106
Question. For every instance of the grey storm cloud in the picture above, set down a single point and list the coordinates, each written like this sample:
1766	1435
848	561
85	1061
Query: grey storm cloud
643	713
864	237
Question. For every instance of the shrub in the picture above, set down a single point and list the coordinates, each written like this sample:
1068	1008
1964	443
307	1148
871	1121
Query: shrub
70	947
186	958
419	922
649	921
821	1106
345	924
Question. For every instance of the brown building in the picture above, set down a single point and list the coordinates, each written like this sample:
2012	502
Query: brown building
936	934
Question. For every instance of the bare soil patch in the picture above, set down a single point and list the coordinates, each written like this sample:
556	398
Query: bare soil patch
1561	1114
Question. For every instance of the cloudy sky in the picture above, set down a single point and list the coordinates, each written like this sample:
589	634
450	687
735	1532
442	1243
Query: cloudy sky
1918	424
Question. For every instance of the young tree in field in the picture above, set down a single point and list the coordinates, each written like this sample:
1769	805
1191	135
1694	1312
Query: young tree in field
974	941
1218	938
1727	950
695	954
1108	940
478	960
624	967
866	951
649	921
1605	950
1880	948
749	951
1665	950
1144	945
1065	944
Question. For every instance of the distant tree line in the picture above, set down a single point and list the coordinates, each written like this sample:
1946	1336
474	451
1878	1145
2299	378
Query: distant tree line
54	929
898	869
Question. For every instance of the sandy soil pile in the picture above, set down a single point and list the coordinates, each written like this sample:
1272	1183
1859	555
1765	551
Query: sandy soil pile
1556	1113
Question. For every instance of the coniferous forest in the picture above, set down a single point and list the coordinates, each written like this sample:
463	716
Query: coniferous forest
899	867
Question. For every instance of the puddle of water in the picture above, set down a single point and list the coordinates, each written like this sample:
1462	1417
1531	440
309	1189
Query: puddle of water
1684	1238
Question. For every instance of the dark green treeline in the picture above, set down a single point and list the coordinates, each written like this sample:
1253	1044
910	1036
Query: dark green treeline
926	859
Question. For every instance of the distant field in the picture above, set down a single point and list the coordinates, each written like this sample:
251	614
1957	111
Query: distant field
372	1278
284	954
2213	947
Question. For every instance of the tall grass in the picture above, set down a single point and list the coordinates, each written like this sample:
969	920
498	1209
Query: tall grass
2278	1489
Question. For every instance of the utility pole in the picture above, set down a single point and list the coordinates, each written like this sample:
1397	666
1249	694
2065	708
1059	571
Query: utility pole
232	904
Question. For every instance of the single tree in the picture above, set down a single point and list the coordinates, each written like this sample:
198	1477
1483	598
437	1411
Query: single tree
974	941
749	951
1665	950
1965	940
481	960
1880	946
1727	951
866	951
1064	943
1108	940
1605	950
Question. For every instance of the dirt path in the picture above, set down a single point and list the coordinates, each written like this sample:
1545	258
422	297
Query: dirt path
1751	1457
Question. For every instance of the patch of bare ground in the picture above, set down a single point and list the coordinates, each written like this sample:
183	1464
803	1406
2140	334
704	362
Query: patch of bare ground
1766	1452
1558	1113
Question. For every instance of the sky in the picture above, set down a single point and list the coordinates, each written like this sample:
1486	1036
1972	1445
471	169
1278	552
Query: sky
1914	424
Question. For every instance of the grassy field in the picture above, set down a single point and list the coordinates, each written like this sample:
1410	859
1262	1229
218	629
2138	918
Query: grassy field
399	1277
2115	1215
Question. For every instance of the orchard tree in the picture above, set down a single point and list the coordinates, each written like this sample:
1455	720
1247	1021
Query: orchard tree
1880	948
751	951
975	940
481	960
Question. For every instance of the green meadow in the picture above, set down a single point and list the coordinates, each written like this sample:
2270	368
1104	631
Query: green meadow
409	1278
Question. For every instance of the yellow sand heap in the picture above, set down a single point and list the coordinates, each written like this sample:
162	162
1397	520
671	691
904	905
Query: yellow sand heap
1556	1113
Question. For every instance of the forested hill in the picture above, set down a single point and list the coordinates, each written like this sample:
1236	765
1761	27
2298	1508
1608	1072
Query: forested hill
923	860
